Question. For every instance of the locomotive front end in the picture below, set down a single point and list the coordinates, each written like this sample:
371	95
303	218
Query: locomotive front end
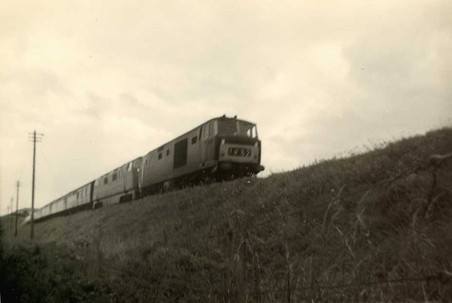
239	148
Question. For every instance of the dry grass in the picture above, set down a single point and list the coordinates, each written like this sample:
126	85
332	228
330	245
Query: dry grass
371	227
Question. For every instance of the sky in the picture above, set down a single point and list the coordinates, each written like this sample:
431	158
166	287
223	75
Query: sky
108	81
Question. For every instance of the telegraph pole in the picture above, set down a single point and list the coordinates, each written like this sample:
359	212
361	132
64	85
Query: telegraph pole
7	217
11	207
17	207
36	137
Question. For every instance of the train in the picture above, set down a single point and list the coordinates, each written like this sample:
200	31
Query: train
222	148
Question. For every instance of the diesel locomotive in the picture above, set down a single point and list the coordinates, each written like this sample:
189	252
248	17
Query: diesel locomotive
222	148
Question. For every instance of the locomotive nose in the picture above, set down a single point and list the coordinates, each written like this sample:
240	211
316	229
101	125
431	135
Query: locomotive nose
238	153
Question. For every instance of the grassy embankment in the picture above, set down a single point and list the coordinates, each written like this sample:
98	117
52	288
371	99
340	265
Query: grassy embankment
374	226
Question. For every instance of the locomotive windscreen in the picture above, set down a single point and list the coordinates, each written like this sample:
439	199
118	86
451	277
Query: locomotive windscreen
236	128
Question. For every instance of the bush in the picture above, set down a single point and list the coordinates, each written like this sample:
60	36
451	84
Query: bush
27	275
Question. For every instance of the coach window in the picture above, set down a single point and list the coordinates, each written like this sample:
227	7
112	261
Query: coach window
194	140
114	176
167	152
129	168
105	179
160	156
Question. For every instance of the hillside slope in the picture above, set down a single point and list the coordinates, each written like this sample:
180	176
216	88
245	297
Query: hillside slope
374	226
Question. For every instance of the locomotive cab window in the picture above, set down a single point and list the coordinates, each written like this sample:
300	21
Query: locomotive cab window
246	129
236	128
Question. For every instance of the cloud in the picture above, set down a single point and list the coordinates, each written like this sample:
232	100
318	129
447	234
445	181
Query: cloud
109	82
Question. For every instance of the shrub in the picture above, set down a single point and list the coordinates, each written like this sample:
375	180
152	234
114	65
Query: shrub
27	275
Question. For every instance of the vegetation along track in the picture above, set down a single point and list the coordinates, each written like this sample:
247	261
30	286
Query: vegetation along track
374	226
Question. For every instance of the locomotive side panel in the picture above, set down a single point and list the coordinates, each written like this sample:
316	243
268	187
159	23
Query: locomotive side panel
180	153
187	158
176	158
136	180
208	142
